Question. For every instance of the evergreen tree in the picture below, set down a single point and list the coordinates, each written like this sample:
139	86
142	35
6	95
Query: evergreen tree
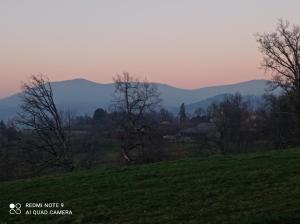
2	125
182	113
99	115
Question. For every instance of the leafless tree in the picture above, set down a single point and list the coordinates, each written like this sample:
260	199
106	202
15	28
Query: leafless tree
231	118
281	51
48	127
278	121
133	101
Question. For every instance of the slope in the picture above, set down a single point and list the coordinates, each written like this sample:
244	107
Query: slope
253	188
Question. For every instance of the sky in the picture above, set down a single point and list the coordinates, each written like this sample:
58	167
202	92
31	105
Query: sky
184	43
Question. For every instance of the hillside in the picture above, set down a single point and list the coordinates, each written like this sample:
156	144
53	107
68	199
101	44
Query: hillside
255	100
254	188
83	96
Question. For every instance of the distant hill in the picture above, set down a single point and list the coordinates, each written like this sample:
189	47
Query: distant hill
83	96
255	101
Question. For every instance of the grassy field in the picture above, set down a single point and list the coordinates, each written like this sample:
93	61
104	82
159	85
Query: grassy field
253	188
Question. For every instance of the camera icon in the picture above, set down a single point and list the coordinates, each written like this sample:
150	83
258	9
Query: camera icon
15	209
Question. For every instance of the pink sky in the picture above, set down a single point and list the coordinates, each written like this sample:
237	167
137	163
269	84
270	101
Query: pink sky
187	44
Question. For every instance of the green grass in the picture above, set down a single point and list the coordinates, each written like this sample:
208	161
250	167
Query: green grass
254	188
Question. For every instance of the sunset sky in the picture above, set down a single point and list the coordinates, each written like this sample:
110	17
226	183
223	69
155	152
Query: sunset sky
185	43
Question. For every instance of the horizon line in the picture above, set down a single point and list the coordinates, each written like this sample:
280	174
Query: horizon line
99	83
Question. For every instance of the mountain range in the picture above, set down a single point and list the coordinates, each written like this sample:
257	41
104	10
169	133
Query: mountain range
83	96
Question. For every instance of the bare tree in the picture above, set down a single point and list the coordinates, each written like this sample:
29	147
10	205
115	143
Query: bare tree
278	121
231	118
48	127
133	101
281	51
